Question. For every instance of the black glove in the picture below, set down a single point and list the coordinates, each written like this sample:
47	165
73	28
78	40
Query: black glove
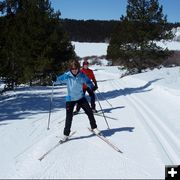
54	77
95	88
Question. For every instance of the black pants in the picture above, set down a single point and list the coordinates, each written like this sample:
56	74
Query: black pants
92	96
69	114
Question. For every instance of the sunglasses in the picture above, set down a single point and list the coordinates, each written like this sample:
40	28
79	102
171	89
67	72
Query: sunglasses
74	68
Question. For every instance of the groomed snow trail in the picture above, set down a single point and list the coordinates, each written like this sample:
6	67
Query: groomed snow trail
140	125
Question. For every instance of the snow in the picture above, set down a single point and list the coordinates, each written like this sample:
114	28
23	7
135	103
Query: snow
90	49
99	49
1	85
142	111
176	32
171	45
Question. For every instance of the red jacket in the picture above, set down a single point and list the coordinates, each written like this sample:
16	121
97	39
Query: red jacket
89	73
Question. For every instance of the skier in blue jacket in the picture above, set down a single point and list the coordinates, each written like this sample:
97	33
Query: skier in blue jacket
74	80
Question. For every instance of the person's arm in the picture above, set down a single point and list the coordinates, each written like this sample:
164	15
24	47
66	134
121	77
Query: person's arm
87	81
61	79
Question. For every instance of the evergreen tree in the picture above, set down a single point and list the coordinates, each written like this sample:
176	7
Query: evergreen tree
33	43
133	43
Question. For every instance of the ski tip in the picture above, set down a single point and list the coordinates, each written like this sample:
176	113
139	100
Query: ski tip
40	159
118	150
61	141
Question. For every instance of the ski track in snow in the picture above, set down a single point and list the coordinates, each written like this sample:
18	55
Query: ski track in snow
166	139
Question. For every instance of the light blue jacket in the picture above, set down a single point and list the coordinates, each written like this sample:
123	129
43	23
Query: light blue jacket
74	85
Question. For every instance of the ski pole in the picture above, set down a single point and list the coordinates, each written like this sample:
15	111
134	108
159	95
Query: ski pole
50	105
102	111
105	98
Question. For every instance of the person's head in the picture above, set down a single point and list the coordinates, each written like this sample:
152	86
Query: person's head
85	64
74	66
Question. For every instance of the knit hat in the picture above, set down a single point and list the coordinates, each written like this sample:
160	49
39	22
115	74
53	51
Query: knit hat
85	62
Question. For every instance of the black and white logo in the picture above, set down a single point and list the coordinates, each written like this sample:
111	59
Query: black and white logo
172	172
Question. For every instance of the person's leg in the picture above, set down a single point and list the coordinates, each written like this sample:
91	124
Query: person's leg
85	106
78	107
92	96
69	116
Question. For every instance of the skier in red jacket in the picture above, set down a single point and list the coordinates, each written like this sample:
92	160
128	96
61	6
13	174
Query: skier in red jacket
89	73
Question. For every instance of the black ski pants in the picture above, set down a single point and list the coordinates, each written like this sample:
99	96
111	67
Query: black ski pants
69	114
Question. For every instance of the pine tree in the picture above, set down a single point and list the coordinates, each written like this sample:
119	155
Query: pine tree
33	43
133	44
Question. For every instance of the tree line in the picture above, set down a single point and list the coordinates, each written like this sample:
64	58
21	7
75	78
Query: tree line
95	30
89	30
132	39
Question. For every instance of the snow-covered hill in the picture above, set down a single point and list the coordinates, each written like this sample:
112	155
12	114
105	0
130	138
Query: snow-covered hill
98	49
90	49
143	120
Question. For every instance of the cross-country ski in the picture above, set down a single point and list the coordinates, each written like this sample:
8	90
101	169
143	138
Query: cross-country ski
55	146
102	137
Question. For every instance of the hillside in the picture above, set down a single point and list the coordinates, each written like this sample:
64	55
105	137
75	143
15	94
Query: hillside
94	30
143	114
89	30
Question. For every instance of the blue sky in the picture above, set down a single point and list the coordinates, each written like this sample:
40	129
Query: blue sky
107	9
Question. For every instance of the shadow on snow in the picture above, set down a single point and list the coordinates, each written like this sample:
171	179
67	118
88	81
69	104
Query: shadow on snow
106	133
28	101
125	91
